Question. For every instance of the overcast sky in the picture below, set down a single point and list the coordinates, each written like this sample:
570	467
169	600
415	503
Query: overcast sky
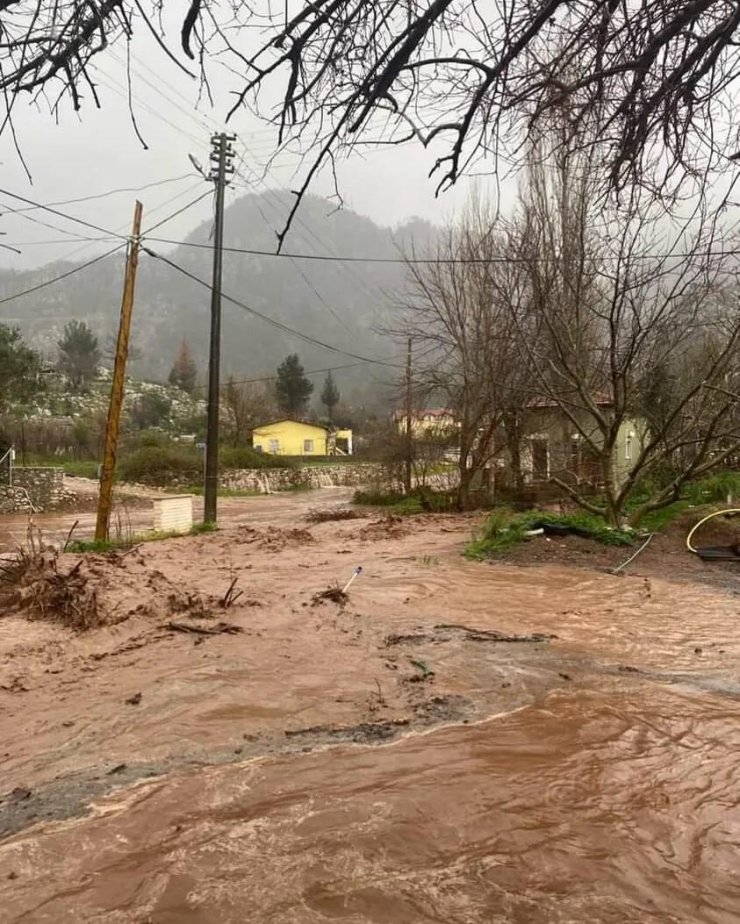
97	151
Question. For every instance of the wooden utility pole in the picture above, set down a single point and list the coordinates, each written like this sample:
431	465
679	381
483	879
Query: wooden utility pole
409	432
221	160
119	373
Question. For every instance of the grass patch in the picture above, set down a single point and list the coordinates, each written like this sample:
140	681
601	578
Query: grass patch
197	489
422	500
117	544
504	529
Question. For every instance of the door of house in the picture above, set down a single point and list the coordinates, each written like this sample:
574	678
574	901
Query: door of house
540	460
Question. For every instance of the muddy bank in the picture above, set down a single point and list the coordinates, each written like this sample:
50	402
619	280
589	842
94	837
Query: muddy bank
665	556
459	742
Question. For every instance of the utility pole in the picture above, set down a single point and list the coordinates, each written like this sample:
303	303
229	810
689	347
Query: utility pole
409	433
221	170
119	375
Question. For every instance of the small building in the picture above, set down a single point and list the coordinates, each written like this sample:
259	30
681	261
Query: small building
288	437
429	423
555	447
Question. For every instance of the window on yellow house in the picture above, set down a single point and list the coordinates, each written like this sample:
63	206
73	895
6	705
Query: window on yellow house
308	446
628	447
274	445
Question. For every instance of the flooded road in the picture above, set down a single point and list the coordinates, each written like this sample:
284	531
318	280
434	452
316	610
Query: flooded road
460	743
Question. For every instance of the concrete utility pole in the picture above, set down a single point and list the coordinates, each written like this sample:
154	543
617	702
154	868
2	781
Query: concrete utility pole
409	432
221	169
119	374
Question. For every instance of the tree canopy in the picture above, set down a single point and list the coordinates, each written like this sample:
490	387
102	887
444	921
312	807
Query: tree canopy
330	395
19	369
184	372
292	388
79	353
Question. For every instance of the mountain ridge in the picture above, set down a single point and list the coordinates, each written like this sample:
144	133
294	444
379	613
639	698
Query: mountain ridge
342	304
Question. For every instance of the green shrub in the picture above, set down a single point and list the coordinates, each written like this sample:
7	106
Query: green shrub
421	500
715	488
81	469
377	498
162	465
246	457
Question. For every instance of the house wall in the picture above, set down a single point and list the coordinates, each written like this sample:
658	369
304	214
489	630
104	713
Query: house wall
570	463
288	438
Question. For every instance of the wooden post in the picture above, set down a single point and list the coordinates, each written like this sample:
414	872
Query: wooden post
119	374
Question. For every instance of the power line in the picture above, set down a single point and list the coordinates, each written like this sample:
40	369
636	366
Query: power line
272	321
354	278
49	282
272	378
180	210
53	211
110	192
431	260
22	213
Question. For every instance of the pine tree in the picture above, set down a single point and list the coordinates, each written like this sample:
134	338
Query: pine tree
19	369
184	372
330	395
292	388
79	354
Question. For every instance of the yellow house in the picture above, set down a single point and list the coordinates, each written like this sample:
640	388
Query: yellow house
291	438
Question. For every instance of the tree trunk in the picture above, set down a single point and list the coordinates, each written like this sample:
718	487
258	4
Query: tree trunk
512	429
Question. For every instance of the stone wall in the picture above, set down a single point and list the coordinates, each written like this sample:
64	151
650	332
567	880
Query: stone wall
350	475
43	487
268	480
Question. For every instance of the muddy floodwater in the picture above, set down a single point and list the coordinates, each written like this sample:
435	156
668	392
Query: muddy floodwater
457	742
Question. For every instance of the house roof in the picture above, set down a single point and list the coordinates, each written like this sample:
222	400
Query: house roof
425	412
292	420
601	399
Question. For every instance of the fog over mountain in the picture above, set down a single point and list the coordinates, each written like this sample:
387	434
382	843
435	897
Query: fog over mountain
344	304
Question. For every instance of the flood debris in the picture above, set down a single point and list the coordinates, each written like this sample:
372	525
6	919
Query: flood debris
389	526
492	635
335	594
217	628
35	584
362	732
424	671
231	595
328	514
133	700
446	632
275	539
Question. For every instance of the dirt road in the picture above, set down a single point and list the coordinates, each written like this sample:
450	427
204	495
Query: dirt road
460	742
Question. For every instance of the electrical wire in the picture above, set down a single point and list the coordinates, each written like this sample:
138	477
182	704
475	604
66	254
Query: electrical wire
53	211
272	321
184	208
76	269
425	260
272	378
22	213
110	192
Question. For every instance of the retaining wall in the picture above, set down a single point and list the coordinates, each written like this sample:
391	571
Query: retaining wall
42	486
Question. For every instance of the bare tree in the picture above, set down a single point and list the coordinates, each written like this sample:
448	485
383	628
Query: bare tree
465	330
458	76
249	405
637	320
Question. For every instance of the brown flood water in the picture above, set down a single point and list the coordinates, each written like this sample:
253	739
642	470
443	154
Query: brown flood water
550	785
